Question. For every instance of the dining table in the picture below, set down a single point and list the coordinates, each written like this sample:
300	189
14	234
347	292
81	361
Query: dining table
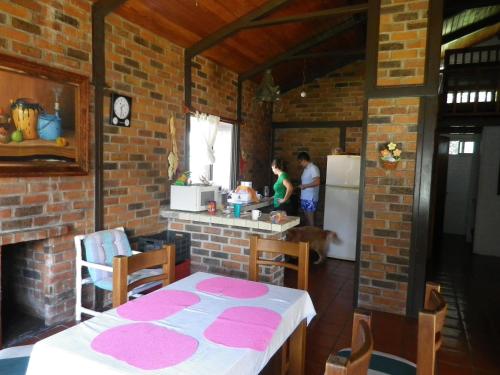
202	324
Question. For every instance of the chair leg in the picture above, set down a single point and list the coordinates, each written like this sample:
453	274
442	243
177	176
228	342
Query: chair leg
99	299
285	360
78	291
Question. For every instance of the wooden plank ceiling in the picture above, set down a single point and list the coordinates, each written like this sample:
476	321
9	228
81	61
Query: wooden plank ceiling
186	22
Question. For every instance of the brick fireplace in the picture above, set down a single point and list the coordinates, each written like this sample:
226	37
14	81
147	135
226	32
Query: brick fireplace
37	273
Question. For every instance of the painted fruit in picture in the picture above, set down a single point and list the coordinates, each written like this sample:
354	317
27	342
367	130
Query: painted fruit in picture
17	136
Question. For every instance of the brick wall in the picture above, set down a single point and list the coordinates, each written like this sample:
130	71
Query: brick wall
402	42
318	142
335	97
388	200
224	249
150	70
214	88
388	204
56	34
255	138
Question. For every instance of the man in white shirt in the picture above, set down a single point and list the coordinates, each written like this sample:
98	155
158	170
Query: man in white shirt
309	194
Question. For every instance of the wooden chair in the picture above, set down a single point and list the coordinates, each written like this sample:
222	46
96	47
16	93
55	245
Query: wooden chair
362	347
95	252
430	324
124	266
300	250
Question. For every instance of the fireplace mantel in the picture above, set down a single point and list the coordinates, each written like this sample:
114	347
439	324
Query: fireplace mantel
34	234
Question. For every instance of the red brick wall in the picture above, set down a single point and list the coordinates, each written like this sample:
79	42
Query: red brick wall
59	36
388	203
402	42
388	200
335	97
56	34
255	138
214	88
150	70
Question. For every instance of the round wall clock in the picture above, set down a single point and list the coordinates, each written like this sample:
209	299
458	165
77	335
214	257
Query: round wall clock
121	110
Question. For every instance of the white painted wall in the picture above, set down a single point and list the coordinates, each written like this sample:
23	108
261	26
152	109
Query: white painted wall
461	190
487	231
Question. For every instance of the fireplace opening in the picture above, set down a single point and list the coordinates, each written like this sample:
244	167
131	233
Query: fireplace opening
21	293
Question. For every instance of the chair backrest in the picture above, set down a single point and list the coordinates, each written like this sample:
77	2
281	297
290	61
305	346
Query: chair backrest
361	353
272	249
123	266
100	247
430	324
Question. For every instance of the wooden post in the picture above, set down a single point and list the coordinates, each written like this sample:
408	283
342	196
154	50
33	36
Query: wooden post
298	350
253	268
120	273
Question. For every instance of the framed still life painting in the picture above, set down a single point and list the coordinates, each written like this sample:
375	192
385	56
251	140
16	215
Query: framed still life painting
44	120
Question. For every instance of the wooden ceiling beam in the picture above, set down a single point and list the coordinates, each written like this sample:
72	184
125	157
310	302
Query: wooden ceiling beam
469	29
102	8
314	55
234	27
351	9
304	46
320	73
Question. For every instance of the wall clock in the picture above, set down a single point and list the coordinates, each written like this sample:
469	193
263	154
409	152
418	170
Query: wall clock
121	110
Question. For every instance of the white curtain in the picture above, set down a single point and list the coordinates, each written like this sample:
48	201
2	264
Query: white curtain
208	125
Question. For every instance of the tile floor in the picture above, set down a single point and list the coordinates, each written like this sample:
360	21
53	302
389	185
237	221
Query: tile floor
471	341
471	338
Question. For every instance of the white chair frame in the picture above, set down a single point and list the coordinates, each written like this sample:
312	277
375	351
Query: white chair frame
80	281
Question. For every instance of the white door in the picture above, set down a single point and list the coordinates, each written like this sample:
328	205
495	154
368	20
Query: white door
341	217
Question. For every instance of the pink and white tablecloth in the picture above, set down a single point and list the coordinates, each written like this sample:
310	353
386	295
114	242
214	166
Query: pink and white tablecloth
203	324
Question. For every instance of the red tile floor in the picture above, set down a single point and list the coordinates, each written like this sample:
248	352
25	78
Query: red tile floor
471	341
471	337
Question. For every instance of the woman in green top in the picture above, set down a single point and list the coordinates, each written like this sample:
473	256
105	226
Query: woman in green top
282	188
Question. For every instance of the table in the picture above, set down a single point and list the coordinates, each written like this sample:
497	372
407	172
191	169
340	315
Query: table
203	324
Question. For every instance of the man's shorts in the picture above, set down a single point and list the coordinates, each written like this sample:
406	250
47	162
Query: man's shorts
308	205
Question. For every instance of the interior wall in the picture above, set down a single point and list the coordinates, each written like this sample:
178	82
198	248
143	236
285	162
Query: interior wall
461	189
487	233
336	97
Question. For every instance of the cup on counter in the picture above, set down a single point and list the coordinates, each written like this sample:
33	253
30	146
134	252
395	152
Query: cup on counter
212	207
237	209
256	214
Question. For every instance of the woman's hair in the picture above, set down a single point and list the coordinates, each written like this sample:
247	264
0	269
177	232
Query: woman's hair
279	164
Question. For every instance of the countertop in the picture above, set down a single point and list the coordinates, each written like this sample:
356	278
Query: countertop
245	221
264	202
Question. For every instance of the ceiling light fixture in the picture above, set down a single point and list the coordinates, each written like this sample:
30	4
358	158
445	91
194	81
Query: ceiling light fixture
267	91
303	93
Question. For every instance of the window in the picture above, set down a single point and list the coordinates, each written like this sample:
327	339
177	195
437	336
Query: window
461	147
220	173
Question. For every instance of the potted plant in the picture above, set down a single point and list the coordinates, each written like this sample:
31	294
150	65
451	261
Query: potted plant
390	155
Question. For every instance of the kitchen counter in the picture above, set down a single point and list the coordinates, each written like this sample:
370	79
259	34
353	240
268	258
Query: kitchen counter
264	202
220	243
245	221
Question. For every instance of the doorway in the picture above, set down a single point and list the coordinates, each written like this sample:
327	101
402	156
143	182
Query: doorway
465	258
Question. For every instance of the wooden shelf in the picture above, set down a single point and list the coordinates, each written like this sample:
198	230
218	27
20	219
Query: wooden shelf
37	147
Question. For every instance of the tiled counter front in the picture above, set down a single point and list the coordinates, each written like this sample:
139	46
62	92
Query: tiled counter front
220	244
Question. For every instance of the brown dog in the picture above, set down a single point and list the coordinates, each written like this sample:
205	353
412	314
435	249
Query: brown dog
319	240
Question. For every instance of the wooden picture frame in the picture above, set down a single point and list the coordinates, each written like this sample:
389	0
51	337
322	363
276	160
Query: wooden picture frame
63	150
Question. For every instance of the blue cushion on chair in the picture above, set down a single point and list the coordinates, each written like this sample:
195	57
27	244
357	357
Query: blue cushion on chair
14	366
101	247
385	364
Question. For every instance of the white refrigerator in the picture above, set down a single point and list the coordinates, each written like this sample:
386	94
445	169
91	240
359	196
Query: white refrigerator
341	204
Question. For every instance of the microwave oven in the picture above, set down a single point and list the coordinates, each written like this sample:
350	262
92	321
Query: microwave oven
192	197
